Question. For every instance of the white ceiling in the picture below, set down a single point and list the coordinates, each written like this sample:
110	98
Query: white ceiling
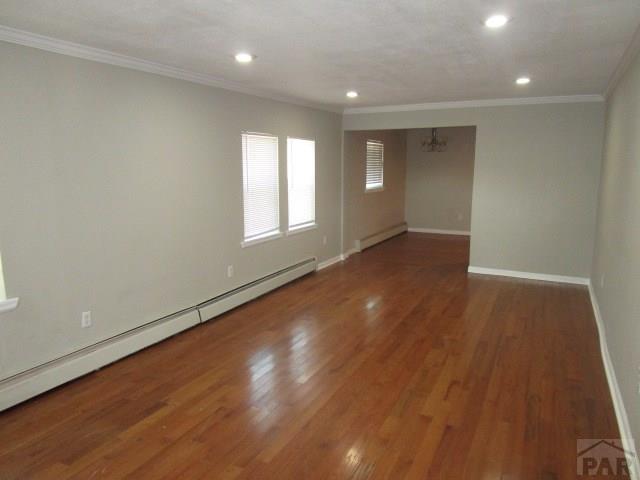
391	51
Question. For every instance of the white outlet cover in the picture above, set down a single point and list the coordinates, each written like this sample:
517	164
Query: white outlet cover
230	271
85	322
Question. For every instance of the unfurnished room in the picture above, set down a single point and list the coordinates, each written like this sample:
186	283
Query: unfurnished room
299	240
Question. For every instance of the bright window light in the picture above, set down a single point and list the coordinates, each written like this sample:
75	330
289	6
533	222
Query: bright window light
301	177
523	81
260	186
375	165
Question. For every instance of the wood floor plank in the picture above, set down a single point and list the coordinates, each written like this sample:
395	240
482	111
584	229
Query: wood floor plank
395	364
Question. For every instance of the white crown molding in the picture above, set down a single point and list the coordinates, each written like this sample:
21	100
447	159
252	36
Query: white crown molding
496	102
41	42
627	58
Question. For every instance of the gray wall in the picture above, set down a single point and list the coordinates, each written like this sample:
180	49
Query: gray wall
616	266
440	184
535	180
121	193
367	213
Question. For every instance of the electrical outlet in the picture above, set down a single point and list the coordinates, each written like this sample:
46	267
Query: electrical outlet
85	322
324	240
602	281
229	271
459	216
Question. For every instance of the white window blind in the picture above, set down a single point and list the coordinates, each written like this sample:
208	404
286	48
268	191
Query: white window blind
260	181
301	176
375	165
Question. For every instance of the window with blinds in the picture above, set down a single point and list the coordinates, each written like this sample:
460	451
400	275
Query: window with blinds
375	165
301	177
260	186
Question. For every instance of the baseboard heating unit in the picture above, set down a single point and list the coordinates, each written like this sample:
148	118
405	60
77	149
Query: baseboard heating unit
386	234
37	380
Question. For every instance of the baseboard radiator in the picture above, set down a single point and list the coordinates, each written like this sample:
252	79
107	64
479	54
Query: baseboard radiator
386	234
37	380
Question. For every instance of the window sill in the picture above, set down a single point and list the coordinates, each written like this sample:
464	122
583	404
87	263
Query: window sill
9	304
302	228
261	239
373	190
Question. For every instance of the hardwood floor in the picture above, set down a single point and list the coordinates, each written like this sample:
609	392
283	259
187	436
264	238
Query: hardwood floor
395	364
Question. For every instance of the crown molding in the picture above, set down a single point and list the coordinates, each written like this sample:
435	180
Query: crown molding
496	102
625	62
50	44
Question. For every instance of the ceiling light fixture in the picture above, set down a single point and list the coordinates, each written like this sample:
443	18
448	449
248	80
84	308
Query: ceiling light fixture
496	21
523	81
244	57
352	94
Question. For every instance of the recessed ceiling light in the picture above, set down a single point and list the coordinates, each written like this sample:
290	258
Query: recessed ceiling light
243	57
496	21
352	94
523	80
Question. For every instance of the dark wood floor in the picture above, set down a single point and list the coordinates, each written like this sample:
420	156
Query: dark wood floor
395	364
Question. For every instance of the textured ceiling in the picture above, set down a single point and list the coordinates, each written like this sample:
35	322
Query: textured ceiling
391	51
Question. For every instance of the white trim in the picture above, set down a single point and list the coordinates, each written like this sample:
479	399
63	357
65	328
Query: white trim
371	240
330	261
50	44
616	397
303	228
9	304
225	302
261	239
529	275
34	382
439	231
625	62
350	252
495	102
37	380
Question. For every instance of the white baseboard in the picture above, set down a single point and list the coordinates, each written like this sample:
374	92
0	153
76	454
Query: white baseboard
618	405
330	261
528	275
439	231
37	380
348	253
224	303
40	379
386	234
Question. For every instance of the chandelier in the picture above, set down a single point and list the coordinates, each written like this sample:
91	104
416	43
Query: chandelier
435	143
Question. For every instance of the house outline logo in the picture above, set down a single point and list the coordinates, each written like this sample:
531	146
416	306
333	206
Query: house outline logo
603	457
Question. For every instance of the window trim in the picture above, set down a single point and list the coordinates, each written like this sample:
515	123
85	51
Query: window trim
273	234
376	188
303	227
262	238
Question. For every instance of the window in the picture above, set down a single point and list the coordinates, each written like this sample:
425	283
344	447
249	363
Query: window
260	187
375	165
301	176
